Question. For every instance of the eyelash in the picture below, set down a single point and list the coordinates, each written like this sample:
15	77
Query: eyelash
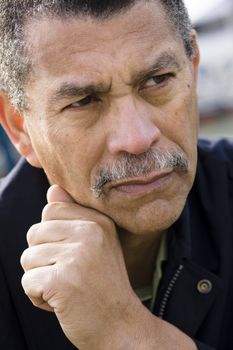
163	78
84	101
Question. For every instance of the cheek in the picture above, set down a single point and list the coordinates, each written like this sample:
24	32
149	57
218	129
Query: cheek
190	123
69	160
182	121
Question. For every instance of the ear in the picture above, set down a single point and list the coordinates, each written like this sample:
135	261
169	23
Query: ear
196	55
14	124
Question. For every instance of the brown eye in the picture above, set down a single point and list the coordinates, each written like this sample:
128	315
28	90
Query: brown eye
83	102
157	80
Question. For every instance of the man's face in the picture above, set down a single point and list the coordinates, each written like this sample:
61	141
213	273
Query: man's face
105	95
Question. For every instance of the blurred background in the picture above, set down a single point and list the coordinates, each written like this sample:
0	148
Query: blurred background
213	21
8	155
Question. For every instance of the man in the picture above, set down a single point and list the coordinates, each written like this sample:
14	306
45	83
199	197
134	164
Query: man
126	253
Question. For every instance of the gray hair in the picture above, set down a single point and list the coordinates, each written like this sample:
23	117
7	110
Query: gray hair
15	62
135	165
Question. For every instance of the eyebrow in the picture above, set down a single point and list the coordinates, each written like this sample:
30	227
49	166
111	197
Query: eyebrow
164	61
71	90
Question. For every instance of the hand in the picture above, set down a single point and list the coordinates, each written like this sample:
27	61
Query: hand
74	266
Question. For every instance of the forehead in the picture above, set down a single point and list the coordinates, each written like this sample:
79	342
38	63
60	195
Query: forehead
88	46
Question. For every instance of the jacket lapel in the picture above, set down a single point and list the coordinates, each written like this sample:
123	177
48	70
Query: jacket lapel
187	290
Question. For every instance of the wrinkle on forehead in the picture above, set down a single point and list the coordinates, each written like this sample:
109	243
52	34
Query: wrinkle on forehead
142	18
91	52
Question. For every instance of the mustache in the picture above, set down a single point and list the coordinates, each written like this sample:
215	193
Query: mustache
131	165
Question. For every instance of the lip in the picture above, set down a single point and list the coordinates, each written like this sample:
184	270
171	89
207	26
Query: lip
142	185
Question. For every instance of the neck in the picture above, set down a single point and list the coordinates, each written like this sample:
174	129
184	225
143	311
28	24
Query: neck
140	254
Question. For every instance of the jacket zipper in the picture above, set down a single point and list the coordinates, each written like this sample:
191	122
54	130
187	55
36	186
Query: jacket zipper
168	291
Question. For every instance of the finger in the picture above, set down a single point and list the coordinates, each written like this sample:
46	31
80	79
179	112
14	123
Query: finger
47	232
68	211
61	206
41	304
60	231
32	282
57	194
61	203
42	255
37	283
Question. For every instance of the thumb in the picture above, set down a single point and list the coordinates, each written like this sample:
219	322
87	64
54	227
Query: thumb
57	194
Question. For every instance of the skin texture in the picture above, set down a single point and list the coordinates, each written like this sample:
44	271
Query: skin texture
73	137
129	118
79	273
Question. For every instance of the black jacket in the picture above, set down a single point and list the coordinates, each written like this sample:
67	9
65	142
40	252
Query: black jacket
196	290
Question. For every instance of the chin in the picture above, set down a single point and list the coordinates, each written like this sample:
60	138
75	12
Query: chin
149	220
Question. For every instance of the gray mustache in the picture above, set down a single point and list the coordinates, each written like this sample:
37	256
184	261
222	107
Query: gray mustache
131	165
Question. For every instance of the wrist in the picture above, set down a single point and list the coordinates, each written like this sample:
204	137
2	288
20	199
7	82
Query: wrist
125	331
139	329
136	328
118	330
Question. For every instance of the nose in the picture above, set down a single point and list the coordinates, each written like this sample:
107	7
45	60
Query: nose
132	129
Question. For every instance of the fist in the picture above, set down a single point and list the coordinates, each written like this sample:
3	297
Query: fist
74	266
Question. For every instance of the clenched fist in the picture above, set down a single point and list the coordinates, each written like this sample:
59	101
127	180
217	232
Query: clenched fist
74	266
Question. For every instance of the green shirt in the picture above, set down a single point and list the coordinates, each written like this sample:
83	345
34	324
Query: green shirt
148	294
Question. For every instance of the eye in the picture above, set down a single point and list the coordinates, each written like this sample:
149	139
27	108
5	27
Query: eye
157	80
83	102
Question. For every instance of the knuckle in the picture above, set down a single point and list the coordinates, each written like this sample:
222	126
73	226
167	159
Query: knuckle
91	232
94	232
31	286
107	223
25	259
32	234
37	284
98	235
25	283
54	210
38	302
109	228
49	211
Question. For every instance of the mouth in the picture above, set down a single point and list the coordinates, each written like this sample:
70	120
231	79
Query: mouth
156	181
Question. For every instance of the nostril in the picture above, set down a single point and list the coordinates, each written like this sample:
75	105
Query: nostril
134	139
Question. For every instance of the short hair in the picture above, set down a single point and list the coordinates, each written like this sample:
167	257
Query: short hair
14	61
